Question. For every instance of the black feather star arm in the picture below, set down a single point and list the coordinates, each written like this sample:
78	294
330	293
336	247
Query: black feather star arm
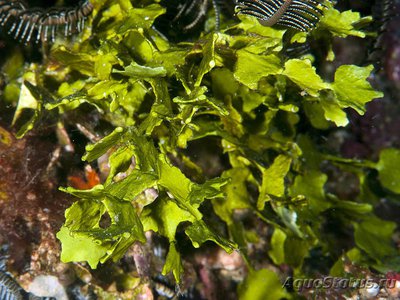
301	15
10	290
35	24
386	14
184	19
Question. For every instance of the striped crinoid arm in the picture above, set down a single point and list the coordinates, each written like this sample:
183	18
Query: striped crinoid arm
301	15
10	9
37	24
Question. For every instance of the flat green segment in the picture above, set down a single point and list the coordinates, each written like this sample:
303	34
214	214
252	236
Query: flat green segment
229	138
76	249
116	198
137	71
374	236
261	285
84	240
250	67
388	167
198	233
273	182
173	263
311	185
352	88
304	75
342	23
